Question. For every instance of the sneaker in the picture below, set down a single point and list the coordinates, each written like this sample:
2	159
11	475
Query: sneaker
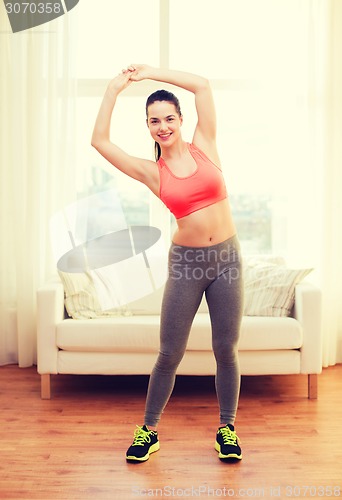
144	443
227	443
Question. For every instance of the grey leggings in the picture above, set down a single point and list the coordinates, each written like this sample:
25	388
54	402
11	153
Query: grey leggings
216	271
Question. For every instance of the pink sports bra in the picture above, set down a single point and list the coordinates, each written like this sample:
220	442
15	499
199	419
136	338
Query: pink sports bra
185	195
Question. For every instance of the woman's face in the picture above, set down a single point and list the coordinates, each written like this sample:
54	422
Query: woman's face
164	122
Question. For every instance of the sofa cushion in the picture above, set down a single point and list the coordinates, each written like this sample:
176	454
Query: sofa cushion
270	333
81	299
270	288
141	333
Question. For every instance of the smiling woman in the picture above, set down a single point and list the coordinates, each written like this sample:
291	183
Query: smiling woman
192	186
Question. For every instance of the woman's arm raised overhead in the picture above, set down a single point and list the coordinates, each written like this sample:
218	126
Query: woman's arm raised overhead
142	170
205	131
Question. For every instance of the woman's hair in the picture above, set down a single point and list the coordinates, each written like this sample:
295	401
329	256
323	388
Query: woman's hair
162	95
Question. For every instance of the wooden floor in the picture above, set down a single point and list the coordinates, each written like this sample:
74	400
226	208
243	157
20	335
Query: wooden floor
73	446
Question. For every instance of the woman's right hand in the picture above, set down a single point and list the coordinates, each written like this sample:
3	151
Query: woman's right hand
120	82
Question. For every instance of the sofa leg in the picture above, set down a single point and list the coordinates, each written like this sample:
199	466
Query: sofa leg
312	386
45	386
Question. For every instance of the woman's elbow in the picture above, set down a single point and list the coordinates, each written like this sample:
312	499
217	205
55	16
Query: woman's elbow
204	84
96	142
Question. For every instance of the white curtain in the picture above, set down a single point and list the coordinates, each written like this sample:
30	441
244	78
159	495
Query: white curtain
331	228
37	99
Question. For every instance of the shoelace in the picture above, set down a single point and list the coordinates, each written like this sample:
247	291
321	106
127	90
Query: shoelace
229	437
141	437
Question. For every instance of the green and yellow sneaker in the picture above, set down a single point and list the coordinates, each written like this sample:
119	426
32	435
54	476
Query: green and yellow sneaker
227	443
145	442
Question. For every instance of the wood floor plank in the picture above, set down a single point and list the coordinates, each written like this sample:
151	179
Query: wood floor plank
73	446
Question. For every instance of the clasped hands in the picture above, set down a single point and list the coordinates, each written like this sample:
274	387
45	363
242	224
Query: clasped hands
137	72
133	73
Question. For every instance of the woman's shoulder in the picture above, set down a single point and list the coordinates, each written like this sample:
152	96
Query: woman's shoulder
207	152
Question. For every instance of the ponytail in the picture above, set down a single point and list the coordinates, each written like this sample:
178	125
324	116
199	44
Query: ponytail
157	151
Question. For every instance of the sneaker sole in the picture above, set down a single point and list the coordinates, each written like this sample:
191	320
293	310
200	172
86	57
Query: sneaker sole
155	447
230	455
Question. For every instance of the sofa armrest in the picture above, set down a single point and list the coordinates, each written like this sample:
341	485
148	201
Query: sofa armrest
307	310
50	302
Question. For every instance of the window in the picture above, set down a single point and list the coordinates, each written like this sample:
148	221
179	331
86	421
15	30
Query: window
258	75
104	47
106	43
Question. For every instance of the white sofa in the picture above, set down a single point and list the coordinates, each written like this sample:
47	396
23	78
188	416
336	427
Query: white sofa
128	345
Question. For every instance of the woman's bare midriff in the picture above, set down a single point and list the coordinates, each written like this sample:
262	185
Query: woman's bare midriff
205	227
